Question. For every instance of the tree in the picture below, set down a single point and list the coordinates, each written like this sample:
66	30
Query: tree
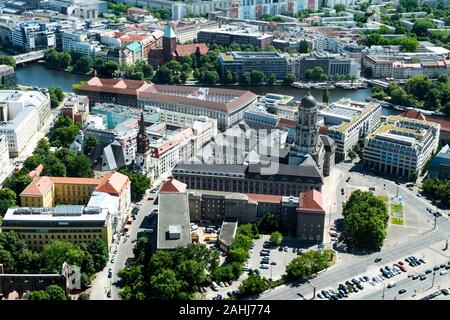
55	292
326	96
18	182
56	96
257	77
409	5
228	77
83	65
408	44
339	7
271	80
107	69
376	39
303	46
269	223
288	80
163	75
84	296
253	285
308	263
276	238
38	295
139	183
8	60
89	144
7	200
351	154
365	220
99	252
238	254
421	27
78	165
245	79
165	285
55	253
211	77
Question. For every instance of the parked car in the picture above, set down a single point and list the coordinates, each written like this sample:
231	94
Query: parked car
286	249
264	266
378	259
109	273
391	284
221	284
402	291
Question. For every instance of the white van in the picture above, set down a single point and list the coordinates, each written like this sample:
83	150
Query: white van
391	284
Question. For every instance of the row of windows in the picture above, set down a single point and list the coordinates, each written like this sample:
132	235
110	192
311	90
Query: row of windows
68	237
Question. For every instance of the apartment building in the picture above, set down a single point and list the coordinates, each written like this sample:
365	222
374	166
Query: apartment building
33	35
331	64
401	146
77	41
348	121
187	30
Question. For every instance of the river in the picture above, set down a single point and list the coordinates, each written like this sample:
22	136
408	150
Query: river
36	74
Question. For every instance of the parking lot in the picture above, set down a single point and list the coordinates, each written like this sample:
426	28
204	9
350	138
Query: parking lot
280	258
407	281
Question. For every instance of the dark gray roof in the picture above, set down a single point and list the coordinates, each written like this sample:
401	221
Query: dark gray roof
228	232
288	172
173	211
210	169
308	101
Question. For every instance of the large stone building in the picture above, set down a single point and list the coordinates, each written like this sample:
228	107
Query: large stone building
5	164
225	105
301	216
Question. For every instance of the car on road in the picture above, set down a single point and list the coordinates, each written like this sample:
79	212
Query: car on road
150	198
422	278
402	291
109	273
113	258
108	294
264	266
247	267
273	263
443	272
378	259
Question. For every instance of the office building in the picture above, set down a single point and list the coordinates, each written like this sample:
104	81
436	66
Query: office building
226	35
401	146
33	35
348	121
267	62
22	114
440	165
73	223
331	64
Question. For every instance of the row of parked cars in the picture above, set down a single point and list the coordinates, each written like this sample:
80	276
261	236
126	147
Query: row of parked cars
445	292
215	286
356	284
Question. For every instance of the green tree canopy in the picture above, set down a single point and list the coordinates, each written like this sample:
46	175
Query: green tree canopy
253	285
365	220
276	238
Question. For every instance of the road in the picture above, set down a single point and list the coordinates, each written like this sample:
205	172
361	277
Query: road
347	270
124	246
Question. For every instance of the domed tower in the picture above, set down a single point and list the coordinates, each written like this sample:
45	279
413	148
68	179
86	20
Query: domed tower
307	129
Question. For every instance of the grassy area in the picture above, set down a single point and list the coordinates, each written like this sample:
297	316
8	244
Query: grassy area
383	198
397	213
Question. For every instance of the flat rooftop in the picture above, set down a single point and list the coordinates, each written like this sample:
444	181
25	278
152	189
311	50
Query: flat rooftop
228	232
173	217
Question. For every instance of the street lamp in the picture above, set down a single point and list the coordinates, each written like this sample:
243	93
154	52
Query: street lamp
384	288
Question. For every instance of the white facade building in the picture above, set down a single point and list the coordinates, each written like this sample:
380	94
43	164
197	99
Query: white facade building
5	164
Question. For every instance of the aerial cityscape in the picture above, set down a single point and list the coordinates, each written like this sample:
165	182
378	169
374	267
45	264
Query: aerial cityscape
247	150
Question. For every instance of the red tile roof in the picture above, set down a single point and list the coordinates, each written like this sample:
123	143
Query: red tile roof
114	183
311	200
173	185
38	187
264	198
413	114
282	123
36	172
183	50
